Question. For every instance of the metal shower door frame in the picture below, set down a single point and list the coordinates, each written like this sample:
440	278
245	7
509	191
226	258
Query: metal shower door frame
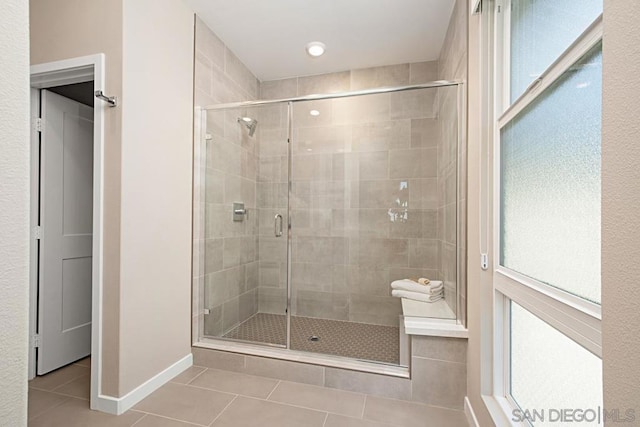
461	137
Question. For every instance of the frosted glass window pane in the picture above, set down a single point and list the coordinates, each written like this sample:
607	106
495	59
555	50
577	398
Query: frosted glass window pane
551	371
550	189
540	31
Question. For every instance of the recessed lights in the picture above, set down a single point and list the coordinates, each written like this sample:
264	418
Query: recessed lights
315	49
314	113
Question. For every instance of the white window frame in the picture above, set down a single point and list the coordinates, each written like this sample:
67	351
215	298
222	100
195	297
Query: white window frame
577	318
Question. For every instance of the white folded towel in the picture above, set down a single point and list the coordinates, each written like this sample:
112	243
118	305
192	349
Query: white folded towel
434	287
415	296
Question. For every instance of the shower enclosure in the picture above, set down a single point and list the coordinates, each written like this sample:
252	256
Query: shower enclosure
310	207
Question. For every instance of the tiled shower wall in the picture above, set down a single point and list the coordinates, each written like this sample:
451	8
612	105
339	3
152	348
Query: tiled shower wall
453	65
364	193
225	270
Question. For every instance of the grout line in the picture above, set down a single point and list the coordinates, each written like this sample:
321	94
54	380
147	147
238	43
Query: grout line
51	408
198	387
194	378
70	395
57	387
141	418
442	407
277	402
326	417
415	402
364	405
224	409
439	360
165	417
274	389
266	399
52	390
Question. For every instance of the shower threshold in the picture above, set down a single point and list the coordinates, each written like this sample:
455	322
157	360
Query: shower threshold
360	341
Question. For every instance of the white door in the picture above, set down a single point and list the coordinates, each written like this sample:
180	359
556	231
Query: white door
66	220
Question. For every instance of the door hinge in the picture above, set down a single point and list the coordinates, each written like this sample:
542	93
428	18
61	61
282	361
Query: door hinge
37	232
36	341
38	124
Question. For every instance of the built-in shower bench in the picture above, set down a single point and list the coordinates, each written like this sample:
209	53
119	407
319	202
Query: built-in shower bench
434	319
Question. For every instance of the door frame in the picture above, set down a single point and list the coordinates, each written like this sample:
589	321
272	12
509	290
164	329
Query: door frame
42	76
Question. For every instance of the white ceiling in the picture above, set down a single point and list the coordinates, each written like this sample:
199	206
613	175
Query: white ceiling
269	36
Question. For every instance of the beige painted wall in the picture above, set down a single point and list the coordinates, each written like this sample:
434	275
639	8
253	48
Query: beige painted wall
14	211
148	155
620	206
157	123
62	29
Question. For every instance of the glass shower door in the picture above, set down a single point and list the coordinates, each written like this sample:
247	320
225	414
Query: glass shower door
245	227
373	192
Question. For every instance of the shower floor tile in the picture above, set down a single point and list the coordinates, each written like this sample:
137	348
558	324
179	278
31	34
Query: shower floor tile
361	341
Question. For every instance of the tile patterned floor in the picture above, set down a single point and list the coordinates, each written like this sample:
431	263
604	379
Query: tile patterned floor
211	397
361	341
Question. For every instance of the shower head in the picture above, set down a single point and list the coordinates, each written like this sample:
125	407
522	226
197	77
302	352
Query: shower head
249	123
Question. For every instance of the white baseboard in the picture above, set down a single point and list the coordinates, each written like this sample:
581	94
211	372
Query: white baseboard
119	405
468	411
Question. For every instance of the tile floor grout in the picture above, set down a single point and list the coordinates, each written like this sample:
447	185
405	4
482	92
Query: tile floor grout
209	389
197	376
267	399
274	389
364	405
67	398
235	396
277	402
162	416
67	395
141	418
290	404
61	385
48	409
224	409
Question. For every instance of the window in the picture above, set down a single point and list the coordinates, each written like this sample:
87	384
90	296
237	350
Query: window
548	370
540	31
546	228
550	183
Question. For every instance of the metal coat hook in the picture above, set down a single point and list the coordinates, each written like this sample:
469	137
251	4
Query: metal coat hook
111	100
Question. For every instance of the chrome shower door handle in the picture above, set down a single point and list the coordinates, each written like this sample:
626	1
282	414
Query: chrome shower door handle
277	225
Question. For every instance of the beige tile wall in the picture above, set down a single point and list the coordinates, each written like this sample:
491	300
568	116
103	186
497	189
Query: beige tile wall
453	65
364	191
225	270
